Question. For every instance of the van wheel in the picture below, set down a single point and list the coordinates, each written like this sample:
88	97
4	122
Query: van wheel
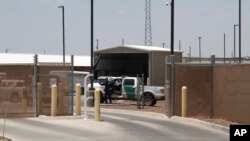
149	99
14	97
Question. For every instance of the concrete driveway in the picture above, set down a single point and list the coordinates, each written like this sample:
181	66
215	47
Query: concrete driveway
116	125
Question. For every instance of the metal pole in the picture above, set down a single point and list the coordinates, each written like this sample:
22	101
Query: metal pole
142	91
224	48
97	44
239	31
172	59
92	38
179	44
35	84
199	48
167	92
63	36
234	43
63	33
137	92
172	27
190	52
72	84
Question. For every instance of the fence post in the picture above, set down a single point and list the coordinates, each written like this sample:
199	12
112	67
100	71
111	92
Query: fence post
142	91
40	109
72	84
167	93
172	60
212	86
184	101
97	105
53	100
78	99
35	97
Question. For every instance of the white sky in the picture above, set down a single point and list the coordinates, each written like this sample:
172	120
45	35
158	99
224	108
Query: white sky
35	26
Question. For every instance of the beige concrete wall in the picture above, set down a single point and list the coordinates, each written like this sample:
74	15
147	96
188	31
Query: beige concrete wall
232	89
230	86
198	82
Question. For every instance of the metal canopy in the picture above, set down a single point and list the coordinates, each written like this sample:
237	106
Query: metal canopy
133	49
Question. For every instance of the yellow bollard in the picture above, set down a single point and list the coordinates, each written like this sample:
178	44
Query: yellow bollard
148	81
53	100
78	99
97	105
40	96
184	101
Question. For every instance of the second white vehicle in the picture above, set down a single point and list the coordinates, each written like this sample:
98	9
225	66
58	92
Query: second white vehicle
125	88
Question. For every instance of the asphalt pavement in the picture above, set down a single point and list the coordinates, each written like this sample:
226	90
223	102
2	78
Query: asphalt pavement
116	125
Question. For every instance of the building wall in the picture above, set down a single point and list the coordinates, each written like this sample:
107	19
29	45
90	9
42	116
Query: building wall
221	92
157	67
198	81
232	89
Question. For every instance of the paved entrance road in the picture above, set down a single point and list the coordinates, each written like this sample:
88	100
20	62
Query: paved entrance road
116	126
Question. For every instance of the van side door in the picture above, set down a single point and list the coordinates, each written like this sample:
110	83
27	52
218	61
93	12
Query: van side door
129	88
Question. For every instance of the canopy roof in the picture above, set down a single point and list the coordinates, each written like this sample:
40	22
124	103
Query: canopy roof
134	49
20	59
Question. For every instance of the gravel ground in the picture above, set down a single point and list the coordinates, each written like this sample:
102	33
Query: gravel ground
158	108
132	105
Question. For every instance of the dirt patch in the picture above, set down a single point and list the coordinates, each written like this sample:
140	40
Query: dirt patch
132	105
159	108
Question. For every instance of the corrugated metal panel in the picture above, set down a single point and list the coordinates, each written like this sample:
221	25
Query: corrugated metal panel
134	49
158	68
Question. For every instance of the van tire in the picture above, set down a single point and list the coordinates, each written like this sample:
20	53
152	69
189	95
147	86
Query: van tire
149	99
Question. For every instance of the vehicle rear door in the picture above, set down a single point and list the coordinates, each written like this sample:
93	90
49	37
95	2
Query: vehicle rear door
129	88
117	84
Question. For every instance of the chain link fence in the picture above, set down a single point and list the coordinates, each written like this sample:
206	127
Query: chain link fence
25	88
16	89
